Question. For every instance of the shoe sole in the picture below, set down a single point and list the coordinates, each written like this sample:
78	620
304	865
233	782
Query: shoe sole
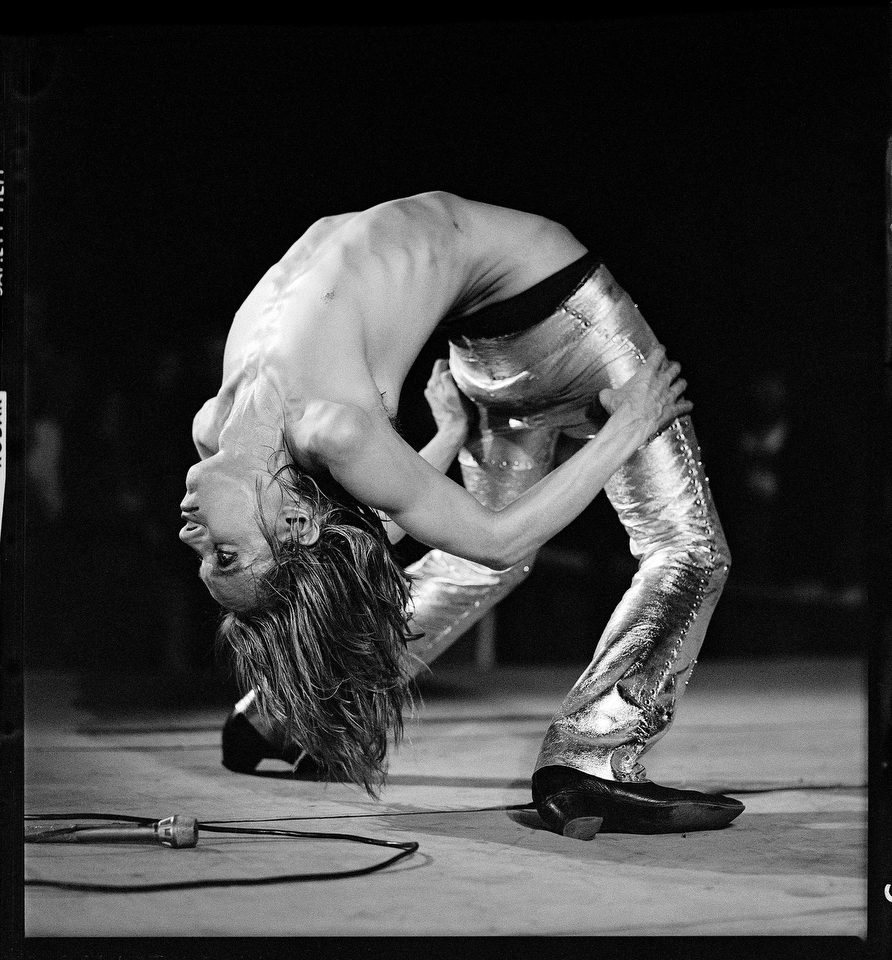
598	816
680	819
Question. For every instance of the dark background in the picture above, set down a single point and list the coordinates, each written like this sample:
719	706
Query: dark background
728	167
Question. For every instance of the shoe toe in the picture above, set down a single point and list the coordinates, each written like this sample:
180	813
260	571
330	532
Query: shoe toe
243	746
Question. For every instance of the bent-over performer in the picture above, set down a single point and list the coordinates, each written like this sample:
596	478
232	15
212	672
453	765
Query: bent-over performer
304	481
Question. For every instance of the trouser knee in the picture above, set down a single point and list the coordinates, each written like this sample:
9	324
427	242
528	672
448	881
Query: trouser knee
450	595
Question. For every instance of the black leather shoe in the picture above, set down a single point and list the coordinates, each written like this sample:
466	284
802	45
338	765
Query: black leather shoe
578	805
244	747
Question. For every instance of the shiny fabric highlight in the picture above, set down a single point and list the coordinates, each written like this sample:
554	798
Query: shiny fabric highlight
530	387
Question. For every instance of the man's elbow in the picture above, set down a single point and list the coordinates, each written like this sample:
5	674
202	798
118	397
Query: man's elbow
500	553
502	561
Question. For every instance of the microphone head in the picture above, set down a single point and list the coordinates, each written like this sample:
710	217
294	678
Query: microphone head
177	831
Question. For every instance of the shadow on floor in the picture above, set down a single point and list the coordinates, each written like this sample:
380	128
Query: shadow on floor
813	849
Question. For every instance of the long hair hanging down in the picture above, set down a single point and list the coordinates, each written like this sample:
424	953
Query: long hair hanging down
324	647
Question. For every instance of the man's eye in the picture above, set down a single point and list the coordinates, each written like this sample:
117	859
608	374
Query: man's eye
225	559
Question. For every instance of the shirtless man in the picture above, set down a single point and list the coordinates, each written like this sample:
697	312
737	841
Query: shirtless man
301	464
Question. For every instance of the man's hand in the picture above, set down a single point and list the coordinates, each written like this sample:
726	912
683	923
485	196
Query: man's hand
449	408
652	398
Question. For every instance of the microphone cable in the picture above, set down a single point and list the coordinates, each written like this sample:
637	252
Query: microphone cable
405	849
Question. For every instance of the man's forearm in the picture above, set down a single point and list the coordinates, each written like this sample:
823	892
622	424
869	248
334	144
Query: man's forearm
443	448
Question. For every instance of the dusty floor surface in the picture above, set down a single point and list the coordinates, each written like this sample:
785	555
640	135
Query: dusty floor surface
788	738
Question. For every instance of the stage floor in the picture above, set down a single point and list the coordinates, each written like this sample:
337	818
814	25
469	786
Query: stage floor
787	737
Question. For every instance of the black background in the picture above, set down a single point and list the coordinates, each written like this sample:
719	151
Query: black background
727	166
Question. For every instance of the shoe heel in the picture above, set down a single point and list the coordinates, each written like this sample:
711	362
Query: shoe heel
572	815
583	828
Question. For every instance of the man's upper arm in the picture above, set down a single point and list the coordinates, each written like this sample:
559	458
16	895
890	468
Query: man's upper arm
210	419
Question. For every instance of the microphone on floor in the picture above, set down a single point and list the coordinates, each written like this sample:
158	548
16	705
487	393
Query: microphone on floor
176	831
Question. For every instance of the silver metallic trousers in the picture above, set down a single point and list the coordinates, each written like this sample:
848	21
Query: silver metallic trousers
529	388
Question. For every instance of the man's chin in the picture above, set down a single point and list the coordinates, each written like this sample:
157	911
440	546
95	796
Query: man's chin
238	592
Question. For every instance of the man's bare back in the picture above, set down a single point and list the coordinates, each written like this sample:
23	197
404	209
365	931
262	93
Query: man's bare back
349	307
